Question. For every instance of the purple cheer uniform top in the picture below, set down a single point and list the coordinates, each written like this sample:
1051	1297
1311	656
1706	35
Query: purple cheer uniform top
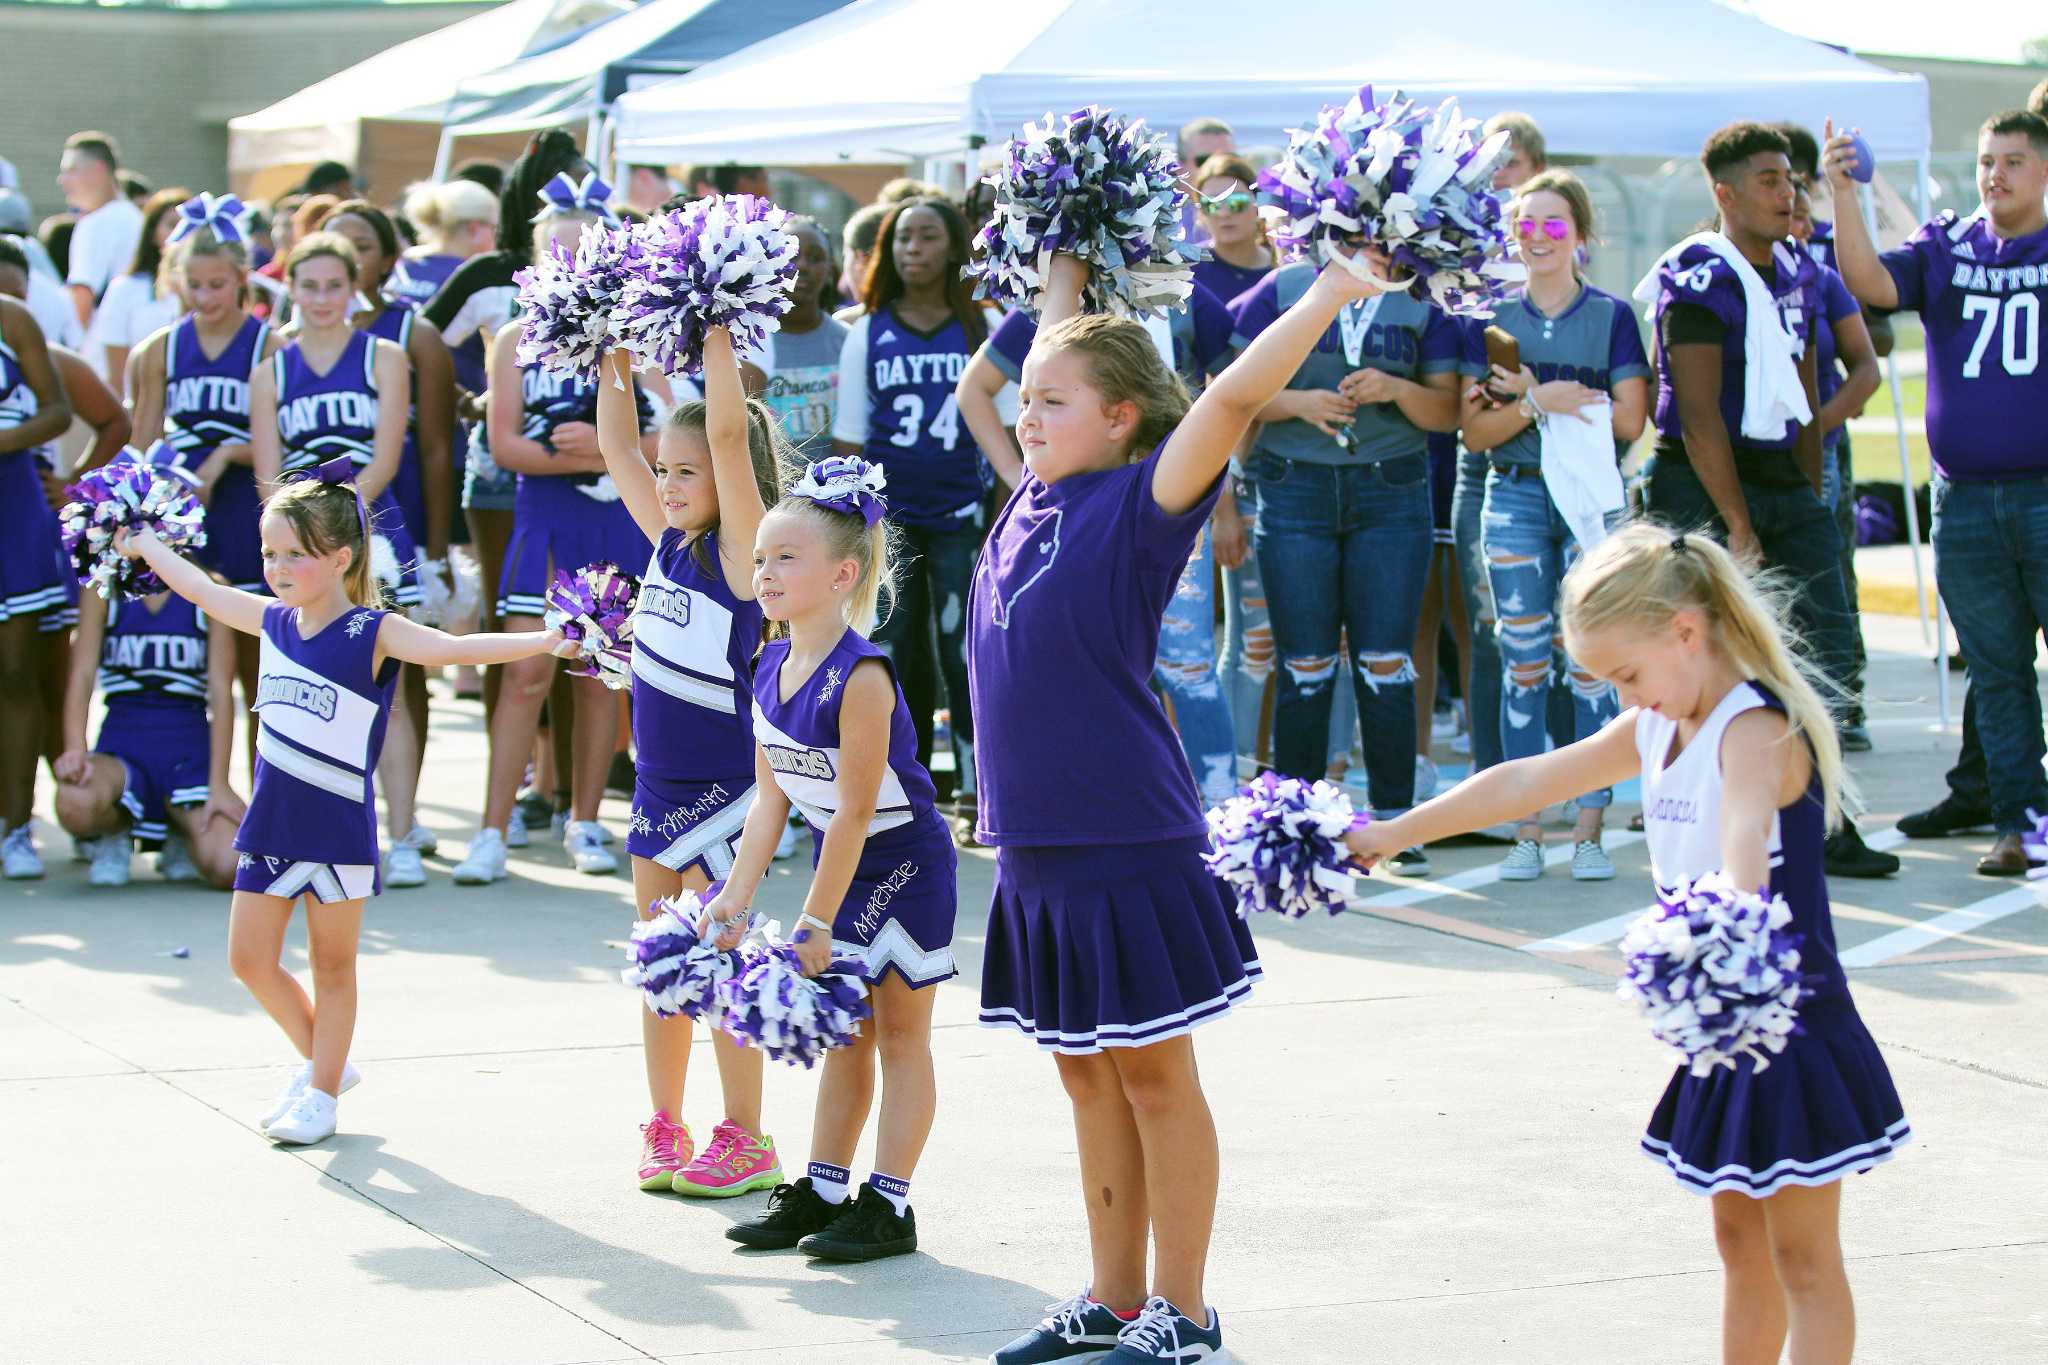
1823	1108
395	325
899	909
1983	299
694	642
320	713
206	405
562	522
35	578
152	674
1106	929
320	416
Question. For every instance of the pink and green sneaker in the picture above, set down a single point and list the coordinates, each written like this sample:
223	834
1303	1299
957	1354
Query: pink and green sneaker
734	1163
665	1152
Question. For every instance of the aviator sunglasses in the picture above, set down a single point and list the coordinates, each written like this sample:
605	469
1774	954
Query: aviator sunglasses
1553	228
1237	201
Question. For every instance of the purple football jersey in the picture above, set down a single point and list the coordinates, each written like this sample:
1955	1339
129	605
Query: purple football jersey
1700	278
1063	626
1980	297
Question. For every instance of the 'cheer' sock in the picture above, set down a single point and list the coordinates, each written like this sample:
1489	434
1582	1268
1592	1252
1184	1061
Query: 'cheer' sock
895	1189
829	1181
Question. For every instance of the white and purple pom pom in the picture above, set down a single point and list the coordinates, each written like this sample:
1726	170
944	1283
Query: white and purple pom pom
1101	187
726	262
1410	180
567	304
772	1005
1715	971
1279	844
675	971
2035	842
138	492
594	607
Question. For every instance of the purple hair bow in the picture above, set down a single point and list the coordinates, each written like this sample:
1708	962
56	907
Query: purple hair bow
223	213
342	470
845	483
563	195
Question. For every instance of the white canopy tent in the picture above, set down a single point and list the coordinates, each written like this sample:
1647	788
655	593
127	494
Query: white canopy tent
396	96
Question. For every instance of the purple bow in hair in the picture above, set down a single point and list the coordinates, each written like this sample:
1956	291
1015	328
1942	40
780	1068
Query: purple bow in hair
845	483
563	195
223	213
342	470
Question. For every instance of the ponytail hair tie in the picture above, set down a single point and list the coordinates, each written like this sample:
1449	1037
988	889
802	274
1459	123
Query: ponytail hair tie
223	213
563	195
1678	544
845	483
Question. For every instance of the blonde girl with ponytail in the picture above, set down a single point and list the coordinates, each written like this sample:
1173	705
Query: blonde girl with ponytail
1741	775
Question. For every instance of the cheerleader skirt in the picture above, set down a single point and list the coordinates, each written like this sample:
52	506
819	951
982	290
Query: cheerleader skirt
681	824
1109	945
234	535
900	907
35	576
1822	1109
559	529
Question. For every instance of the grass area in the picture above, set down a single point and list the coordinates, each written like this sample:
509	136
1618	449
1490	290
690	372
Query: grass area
1877	457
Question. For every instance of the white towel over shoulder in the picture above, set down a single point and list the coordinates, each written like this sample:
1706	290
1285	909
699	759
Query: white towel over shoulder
1772	394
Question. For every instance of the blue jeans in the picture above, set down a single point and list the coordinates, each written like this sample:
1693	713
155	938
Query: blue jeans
1991	566
1345	551
1482	704
1247	631
1186	672
934	571
1529	547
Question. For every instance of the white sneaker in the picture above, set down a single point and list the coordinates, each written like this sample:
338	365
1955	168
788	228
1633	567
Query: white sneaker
604	833
587	850
296	1086
110	853
19	861
515	830
1524	862
424	840
1590	863
485	861
310	1119
785	847
174	863
402	867
1425	778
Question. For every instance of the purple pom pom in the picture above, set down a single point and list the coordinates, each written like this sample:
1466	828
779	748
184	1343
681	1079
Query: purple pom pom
772	1005
594	607
717	262
142	492
567	304
1099	186
1410	180
676	971
1716	972
1279	844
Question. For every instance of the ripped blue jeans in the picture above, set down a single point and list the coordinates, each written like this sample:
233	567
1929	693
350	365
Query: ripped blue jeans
1529	547
1345	549
1186	672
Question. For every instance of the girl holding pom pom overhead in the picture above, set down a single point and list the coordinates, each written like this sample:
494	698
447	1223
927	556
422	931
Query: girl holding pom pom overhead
834	740
696	628
1108	940
1706	677
329	659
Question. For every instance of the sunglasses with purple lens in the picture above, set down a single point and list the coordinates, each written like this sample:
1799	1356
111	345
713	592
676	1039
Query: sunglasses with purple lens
1553	228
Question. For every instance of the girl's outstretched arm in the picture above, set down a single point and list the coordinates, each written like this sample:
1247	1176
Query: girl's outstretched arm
231	606
740	508
1199	447
618	441
398	638
1508	791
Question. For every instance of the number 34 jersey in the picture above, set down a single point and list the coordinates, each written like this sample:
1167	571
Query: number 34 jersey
1981	299
896	402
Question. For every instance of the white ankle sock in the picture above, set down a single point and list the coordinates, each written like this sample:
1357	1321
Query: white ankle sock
895	1189
830	1181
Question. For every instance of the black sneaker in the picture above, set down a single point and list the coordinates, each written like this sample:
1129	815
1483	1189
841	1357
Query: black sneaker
866	1230
1945	817
620	779
535	809
1409	862
794	1212
1846	855
1855	738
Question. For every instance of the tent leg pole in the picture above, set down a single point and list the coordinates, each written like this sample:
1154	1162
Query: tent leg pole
444	154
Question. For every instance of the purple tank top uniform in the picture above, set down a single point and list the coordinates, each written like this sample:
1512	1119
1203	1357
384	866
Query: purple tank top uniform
899	910
320	714
33	576
206	405
693	721
1106	930
152	675
320	416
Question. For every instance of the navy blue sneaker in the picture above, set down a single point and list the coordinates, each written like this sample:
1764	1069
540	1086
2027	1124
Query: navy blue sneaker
1076	1329
1163	1335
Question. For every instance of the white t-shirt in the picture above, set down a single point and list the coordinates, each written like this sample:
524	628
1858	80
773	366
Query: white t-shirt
103	245
131	310
51	304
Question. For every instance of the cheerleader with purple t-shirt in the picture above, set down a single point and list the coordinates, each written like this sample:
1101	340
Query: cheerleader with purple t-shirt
328	664
835	742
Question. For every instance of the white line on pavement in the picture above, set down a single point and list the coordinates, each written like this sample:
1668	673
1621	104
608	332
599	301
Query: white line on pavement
1483	876
1917	936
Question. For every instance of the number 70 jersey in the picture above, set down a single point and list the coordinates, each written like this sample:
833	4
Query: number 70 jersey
896	402
1980	297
